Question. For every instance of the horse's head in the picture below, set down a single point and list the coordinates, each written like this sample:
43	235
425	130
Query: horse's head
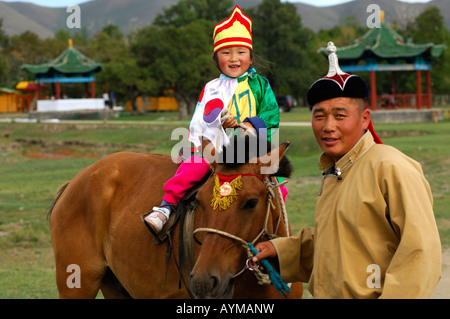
240	204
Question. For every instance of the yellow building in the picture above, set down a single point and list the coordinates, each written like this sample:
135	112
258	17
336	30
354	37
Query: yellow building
9	100
155	104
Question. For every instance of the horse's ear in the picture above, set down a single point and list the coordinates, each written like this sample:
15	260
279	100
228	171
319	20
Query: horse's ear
209	152
270	162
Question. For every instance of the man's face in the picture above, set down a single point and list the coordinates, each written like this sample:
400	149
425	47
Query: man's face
338	124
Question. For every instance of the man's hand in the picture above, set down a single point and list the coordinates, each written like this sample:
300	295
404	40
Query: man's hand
266	250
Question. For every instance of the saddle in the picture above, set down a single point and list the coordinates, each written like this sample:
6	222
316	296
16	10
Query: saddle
186	204
184	214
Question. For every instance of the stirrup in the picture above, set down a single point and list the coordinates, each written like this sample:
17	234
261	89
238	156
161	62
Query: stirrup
159	236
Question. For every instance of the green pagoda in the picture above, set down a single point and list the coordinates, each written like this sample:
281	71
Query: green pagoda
383	49
71	66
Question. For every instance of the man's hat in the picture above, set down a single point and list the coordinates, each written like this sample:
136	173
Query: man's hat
337	83
234	31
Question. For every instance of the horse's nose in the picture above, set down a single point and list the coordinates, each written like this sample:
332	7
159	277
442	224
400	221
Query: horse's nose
210	285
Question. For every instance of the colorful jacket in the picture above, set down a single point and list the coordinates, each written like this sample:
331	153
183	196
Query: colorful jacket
255	102
249	99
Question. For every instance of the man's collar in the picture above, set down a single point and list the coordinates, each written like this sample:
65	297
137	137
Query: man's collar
363	145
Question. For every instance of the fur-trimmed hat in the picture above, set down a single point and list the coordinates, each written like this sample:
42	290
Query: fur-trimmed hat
337	83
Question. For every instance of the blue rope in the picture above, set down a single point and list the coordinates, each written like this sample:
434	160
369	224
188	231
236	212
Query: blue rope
275	277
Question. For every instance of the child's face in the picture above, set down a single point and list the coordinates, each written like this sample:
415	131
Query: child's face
234	61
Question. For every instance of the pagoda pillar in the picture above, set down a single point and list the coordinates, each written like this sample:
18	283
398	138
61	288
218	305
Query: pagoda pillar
373	90
418	89
38	91
58	90
428	79
92	90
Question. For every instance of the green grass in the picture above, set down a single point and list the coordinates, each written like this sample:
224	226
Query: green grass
28	185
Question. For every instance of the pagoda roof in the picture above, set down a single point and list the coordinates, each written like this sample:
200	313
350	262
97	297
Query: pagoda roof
70	62
384	43
8	90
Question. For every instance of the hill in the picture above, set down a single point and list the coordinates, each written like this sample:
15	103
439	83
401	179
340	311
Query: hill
317	18
19	17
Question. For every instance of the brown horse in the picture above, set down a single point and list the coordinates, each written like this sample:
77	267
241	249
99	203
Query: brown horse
98	237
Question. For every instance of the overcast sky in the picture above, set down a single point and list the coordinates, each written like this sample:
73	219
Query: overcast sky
65	3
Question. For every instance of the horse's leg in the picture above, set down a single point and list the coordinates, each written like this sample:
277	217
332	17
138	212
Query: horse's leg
111	287
80	264
79	226
79	269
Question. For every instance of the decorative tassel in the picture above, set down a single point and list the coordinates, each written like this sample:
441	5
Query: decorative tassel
223	202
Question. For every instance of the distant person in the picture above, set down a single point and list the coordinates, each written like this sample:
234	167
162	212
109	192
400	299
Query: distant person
111	100
106	98
374	235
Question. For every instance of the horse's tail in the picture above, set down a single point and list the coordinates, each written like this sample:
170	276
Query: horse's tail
58	195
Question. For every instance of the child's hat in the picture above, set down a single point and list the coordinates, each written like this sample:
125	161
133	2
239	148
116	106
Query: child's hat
234	31
337	83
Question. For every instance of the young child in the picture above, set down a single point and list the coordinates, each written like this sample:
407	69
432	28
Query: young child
238	97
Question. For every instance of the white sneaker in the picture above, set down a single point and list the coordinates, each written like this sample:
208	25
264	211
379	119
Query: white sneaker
158	218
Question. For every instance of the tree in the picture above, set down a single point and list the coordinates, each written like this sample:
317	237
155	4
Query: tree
23	48
429	26
278	37
4	39
175	53
187	11
175	58
4	42
120	72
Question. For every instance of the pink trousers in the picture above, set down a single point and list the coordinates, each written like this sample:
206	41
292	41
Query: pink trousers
188	174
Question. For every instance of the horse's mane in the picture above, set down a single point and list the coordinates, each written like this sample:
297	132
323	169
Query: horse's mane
244	147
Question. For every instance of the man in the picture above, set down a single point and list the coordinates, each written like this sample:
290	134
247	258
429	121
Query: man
374	232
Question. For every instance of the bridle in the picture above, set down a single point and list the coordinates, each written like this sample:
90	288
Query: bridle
271	187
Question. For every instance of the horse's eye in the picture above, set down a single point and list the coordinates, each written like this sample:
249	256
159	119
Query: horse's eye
250	204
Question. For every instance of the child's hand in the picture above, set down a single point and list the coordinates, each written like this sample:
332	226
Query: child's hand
226	119
224	115
230	123
247	128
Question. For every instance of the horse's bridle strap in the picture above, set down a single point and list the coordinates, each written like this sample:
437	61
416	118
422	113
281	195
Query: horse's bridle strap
271	195
220	232
229	178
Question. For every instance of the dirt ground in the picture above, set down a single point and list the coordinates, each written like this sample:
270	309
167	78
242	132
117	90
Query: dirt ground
442	290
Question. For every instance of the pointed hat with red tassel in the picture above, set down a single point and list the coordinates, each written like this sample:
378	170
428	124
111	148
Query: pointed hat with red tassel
337	83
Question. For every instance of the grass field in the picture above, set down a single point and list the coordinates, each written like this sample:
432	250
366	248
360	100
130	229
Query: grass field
37	158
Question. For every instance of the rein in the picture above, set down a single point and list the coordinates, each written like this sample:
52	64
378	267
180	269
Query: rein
271	187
